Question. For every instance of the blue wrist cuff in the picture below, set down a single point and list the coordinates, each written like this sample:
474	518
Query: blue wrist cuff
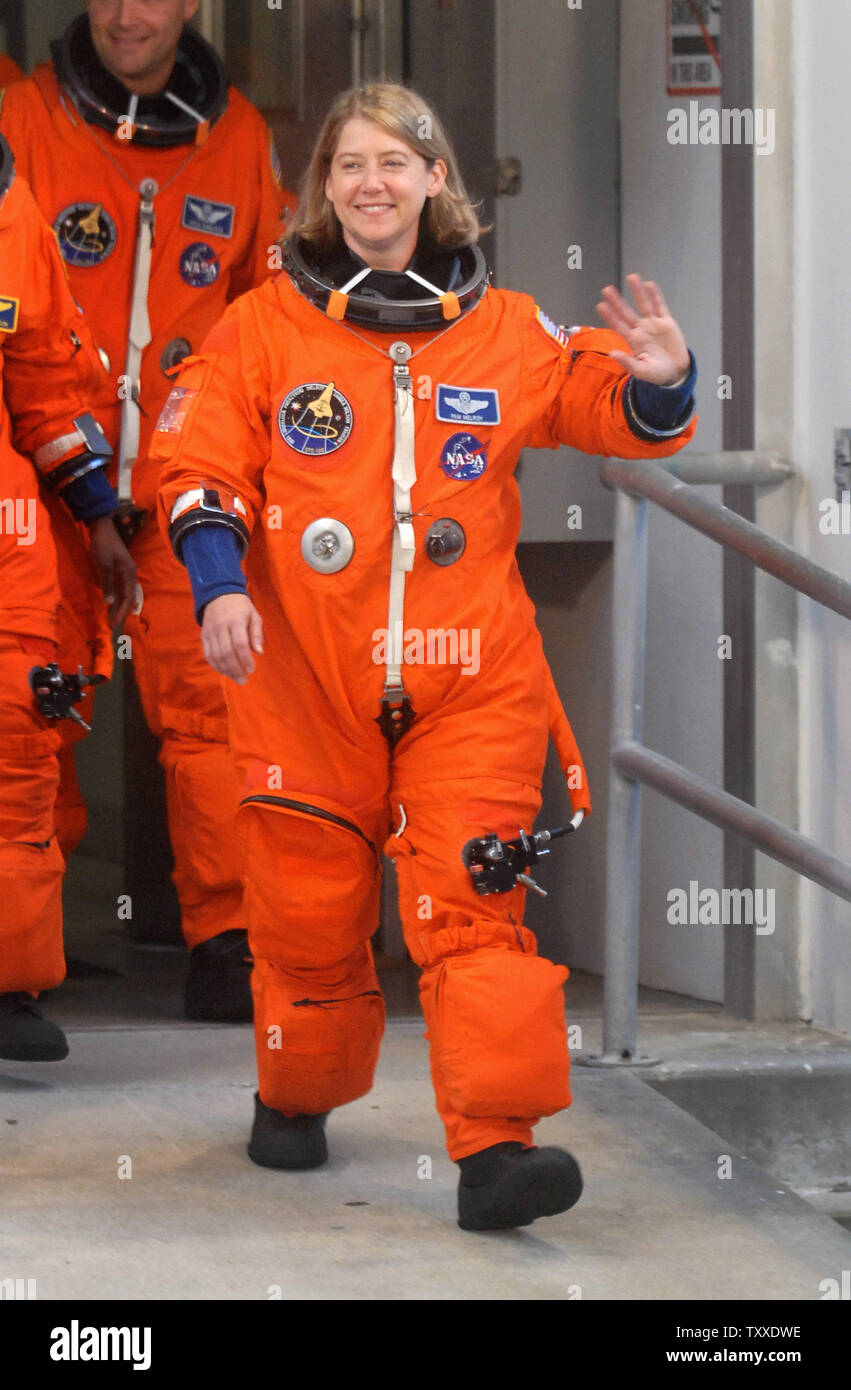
90	496
213	559
663	408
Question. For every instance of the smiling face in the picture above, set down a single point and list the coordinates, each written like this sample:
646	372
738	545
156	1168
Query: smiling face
136	40
378	186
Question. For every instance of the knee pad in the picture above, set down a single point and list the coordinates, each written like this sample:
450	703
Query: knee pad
497	1031
317	1046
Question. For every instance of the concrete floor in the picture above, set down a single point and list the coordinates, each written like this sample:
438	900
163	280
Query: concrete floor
170	1103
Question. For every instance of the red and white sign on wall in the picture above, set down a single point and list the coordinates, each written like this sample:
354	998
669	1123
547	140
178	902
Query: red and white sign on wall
694	46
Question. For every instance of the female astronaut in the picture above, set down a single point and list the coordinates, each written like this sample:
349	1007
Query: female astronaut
351	430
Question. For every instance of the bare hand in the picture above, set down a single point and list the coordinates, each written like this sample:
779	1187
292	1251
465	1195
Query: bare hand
232	629
659	351
116	569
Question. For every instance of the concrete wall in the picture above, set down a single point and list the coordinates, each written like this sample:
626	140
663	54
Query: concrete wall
557	238
780	985
43	22
670	218
449	50
556	112
816	282
802	305
582	102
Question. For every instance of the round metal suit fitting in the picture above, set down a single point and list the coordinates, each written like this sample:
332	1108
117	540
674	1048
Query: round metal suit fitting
148	189
401	352
445	541
173	353
327	545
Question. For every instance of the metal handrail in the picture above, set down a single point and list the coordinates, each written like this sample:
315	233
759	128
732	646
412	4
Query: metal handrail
729	528
771	836
763	467
631	763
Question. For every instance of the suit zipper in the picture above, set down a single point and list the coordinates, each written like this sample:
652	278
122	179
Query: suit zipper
323	1003
516	931
576	353
267	800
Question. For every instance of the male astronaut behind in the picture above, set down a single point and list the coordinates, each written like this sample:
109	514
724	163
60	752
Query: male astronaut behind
162	185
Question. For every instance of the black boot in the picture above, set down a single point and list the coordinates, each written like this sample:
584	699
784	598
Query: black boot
509	1185
218	986
25	1036
278	1141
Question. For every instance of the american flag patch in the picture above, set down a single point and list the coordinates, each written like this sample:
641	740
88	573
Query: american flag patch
552	330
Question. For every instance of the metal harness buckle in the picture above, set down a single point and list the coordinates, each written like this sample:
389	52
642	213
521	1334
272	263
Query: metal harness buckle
397	713
128	520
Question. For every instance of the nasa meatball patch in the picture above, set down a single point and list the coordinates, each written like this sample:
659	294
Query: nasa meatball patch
199	265
467	405
86	233
315	418
463	456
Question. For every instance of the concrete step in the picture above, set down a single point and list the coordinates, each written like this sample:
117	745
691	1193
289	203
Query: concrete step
198	1220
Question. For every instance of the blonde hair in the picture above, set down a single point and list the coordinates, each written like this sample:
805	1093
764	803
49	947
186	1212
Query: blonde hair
449	218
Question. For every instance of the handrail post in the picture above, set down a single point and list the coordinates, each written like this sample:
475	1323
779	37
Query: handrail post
631	763
623	849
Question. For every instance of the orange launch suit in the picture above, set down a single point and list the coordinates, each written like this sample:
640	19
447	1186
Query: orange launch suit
322	793
85	181
9	71
51	375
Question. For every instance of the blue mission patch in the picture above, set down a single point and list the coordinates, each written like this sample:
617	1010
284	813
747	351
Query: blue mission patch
315	418
86	233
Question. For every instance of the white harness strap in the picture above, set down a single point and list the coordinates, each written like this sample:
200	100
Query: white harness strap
138	337
397	711
404	476
190	110
356	279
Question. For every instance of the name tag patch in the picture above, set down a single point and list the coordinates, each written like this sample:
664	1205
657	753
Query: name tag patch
467	405
200	215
